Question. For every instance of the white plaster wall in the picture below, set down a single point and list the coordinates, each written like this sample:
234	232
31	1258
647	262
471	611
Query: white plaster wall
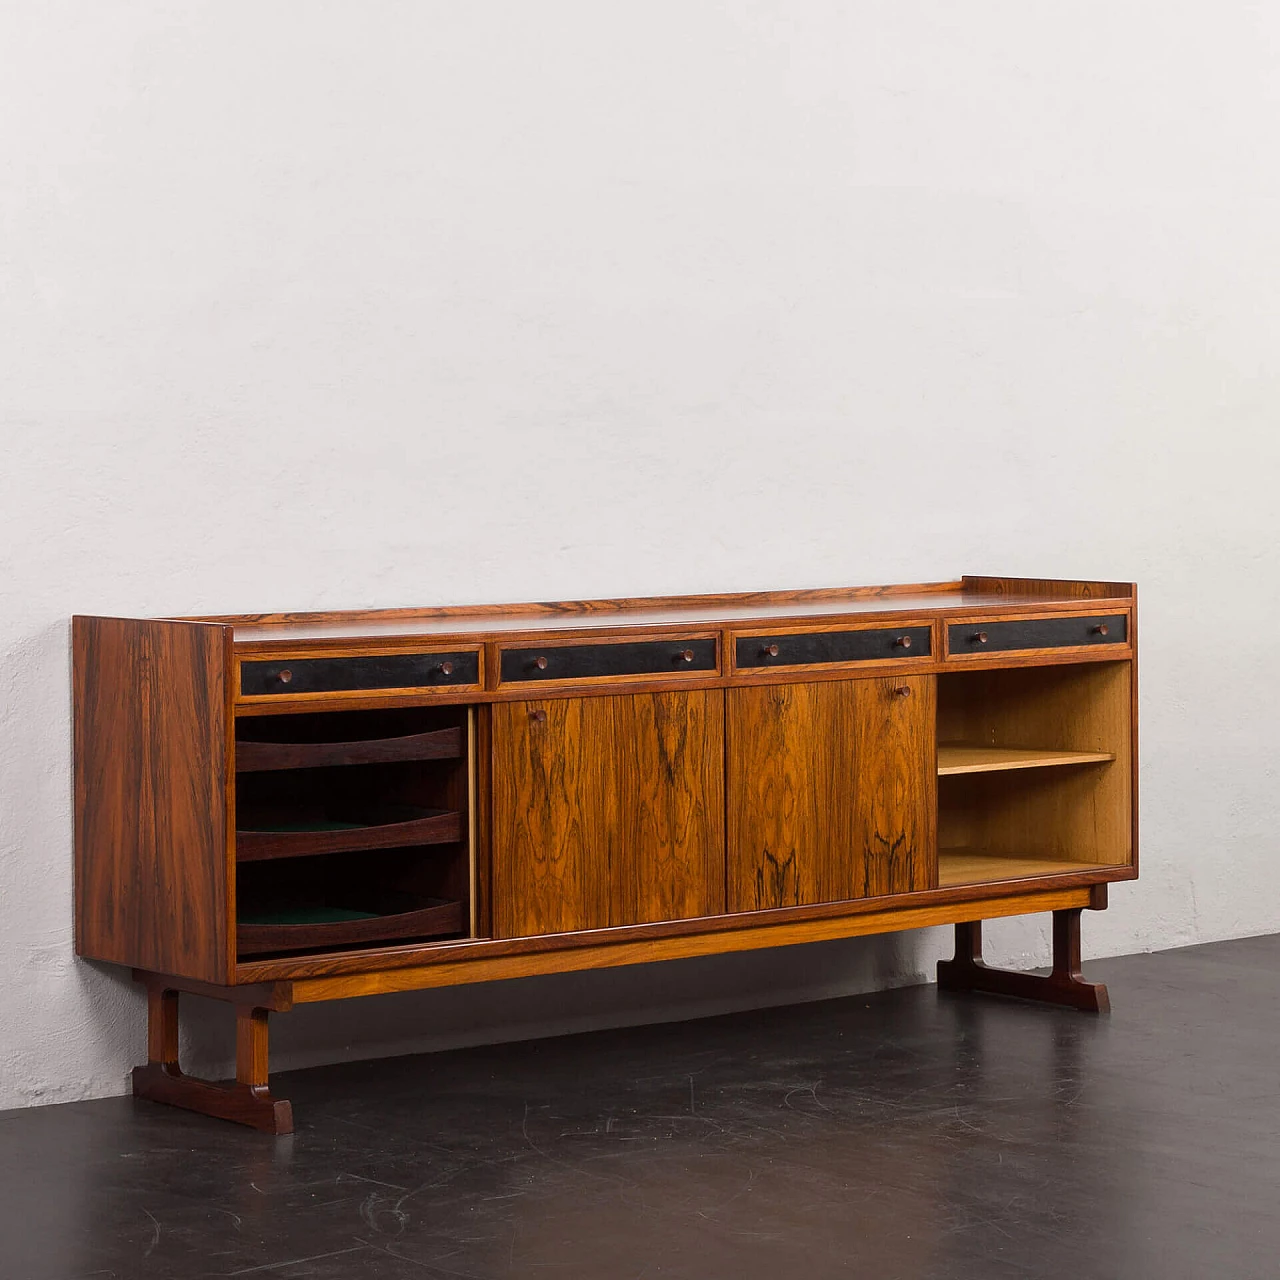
317	304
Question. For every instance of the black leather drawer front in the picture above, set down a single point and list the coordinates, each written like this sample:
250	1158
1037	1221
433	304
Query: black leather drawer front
817	647
1036	633
374	671
590	661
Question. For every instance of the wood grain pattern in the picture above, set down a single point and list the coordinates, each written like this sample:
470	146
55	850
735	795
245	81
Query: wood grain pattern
442	827
1081	814
437	744
617	604
245	1101
153	881
298	697
963	757
1061	587
433	920
271	994
972	866
1065	985
606	811
1038	633
480	838
407	956
251	1047
611	955
739	679
895	784
265	634
831	791
549	874
667	859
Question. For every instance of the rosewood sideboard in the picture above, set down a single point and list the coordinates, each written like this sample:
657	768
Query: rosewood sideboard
285	808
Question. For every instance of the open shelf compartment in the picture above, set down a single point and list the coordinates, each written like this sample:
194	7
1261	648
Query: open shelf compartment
1034	772
353	829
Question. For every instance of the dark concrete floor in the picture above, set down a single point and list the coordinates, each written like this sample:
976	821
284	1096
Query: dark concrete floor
904	1135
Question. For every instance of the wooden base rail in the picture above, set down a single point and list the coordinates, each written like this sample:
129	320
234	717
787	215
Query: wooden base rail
246	1100
1064	985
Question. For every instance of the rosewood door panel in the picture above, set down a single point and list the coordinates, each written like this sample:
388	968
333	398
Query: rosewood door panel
784	810
667	856
831	791
895	764
607	811
549	797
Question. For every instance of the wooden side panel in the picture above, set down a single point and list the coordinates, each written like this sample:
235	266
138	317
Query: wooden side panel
152	864
606	811
831	791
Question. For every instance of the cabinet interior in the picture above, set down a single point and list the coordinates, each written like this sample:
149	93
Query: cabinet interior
353	828
1034	769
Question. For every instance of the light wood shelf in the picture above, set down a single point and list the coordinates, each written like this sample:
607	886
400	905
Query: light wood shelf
973	866
963	757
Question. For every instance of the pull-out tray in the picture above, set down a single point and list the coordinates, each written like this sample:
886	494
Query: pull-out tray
258	757
391	827
331	928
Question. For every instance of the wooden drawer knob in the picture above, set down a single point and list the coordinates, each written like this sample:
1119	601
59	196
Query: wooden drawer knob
285	676
538	717
770	651
1100	629
445	668
902	691
902	642
980	637
540	662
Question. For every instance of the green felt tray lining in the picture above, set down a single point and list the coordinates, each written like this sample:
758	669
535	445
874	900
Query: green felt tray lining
305	915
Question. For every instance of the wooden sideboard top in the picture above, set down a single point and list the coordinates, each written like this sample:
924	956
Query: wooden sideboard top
960	597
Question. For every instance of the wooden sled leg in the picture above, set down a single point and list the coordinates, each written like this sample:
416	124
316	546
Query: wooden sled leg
1065	985
246	1101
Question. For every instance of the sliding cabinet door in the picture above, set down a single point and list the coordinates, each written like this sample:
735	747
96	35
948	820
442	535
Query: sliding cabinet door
832	791
607	811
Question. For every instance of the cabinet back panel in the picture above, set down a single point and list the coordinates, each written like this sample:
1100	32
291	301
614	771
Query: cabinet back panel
1078	813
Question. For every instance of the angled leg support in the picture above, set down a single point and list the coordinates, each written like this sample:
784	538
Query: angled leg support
247	1099
1065	985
